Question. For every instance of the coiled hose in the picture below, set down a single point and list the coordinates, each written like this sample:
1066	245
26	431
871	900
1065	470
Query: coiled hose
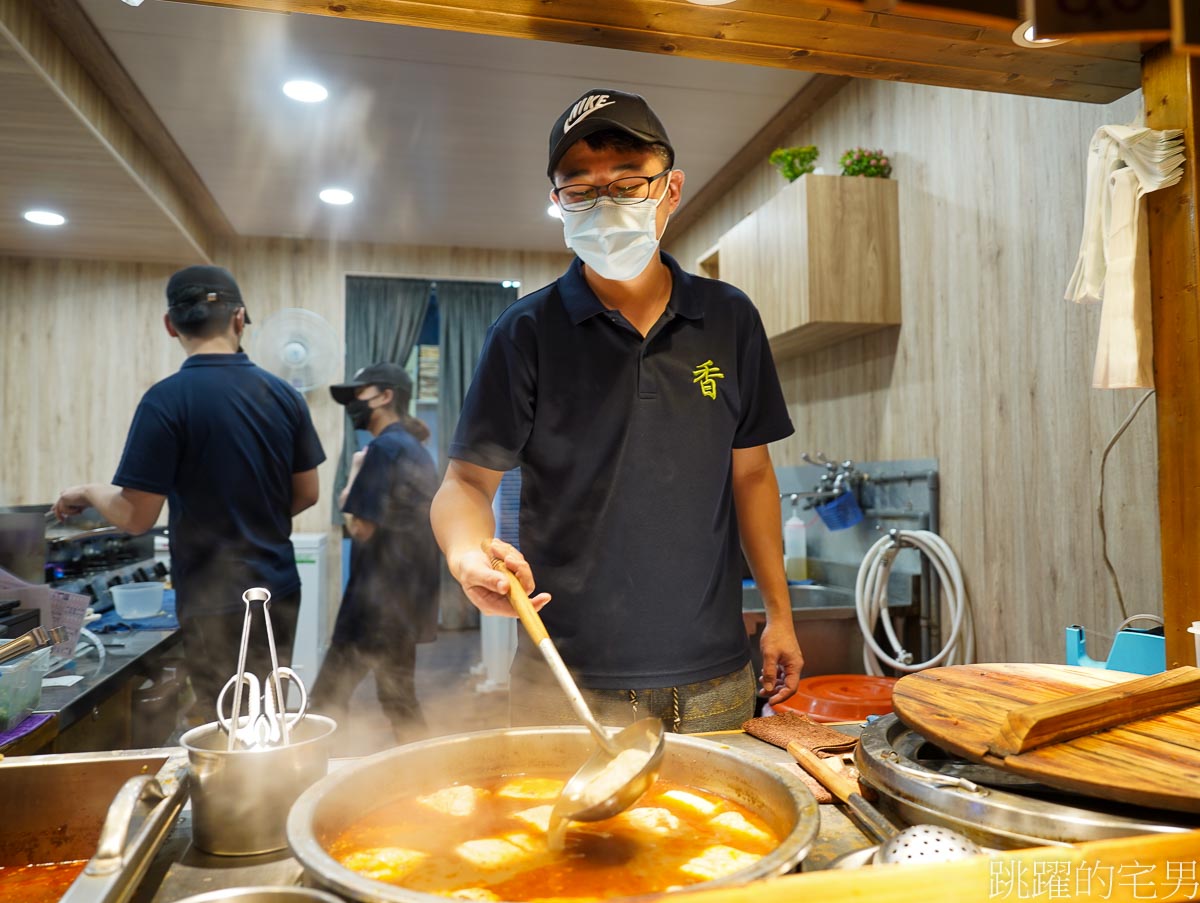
871	603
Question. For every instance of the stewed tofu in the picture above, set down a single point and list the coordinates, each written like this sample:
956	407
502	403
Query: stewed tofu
530	788
717	862
737	827
459	800
651	819
538	817
491	853
390	864
689	802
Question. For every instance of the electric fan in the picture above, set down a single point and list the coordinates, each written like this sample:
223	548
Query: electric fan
298	346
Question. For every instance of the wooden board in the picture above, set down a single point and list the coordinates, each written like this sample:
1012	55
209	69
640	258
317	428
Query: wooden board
1149	762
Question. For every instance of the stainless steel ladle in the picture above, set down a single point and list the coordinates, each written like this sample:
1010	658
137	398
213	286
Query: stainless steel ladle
639	745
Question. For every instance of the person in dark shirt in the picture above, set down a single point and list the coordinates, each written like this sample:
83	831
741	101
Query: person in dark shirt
638	401
390	603
232	451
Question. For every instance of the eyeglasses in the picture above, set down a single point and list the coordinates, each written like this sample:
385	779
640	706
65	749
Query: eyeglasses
627	190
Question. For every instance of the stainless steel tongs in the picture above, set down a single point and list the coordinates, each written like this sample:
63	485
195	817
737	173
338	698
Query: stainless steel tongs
268	721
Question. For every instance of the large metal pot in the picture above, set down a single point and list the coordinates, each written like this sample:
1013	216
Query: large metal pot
344	796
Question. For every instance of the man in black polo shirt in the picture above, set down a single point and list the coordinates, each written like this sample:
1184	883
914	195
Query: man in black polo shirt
638	401
233	451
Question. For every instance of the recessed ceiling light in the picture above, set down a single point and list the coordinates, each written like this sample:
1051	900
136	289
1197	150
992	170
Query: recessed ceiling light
45	217
553	211
1025	35
711	2
338	196
305	91
133	2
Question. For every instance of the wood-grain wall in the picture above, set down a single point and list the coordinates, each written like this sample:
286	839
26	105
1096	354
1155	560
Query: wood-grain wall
83	340
991	370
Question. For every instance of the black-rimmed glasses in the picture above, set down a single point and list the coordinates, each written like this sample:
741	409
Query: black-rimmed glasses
627	190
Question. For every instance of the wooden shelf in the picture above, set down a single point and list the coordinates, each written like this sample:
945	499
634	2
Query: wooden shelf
709	263
820	260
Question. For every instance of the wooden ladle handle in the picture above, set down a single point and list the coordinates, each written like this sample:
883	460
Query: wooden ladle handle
530	619
837	784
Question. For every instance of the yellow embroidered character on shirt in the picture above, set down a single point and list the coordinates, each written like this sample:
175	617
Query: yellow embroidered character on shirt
707	375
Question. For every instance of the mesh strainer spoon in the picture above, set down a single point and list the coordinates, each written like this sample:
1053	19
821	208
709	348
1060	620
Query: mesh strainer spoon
919	843
925	843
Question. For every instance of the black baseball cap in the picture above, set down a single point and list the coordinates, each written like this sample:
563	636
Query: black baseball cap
386	376
203	283
601	109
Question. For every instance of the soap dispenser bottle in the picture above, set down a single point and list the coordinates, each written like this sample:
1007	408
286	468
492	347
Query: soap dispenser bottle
795	544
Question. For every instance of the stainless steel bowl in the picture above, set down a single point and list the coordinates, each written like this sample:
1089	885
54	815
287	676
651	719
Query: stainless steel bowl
339	800
263	895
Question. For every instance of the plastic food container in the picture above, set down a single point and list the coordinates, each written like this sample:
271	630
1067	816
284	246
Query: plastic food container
137	600
21	687
841	697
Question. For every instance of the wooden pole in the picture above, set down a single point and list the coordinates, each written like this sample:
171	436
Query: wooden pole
1169	83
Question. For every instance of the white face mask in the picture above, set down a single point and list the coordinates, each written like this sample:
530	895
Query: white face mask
618	241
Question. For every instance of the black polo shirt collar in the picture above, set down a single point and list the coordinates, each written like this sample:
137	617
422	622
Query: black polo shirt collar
218	360
582	304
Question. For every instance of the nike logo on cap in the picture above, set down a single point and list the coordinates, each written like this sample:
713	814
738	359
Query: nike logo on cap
586	108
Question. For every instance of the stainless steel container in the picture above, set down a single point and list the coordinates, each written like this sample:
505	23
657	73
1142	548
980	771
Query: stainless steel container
341	799
263	895
240	798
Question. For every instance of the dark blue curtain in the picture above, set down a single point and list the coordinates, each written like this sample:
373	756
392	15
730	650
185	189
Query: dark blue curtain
383	319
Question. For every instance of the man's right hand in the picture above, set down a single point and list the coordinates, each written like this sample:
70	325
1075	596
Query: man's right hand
486	587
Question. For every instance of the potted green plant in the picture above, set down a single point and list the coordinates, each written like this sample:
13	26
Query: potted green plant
793	162
862	161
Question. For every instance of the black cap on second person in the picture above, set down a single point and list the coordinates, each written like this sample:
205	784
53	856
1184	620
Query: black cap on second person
386	376
598	110
203	283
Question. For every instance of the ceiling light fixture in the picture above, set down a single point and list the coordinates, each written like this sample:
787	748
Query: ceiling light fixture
553	211
305	91
711	2
45	217
337	196
1025	35
510	283
133	2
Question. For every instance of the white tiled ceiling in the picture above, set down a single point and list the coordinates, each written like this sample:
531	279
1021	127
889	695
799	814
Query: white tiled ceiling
440	135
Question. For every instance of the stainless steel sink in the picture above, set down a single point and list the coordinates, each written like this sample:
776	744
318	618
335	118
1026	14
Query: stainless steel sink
826	625
807	600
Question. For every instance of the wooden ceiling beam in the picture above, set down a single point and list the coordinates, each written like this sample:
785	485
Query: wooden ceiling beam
31	36
791	34
92	52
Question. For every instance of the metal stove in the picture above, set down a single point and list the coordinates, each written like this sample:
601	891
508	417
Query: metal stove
919	783
90	559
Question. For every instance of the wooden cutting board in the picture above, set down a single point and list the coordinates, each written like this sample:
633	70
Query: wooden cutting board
1153	761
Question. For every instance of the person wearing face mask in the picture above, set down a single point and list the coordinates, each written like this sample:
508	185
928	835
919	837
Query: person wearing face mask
390	603
638	402
231	450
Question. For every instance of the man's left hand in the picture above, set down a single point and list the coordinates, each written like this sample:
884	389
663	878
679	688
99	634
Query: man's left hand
71	502
782	662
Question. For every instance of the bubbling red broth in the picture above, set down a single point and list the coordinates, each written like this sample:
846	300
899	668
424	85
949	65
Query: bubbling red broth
39	883
487	841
